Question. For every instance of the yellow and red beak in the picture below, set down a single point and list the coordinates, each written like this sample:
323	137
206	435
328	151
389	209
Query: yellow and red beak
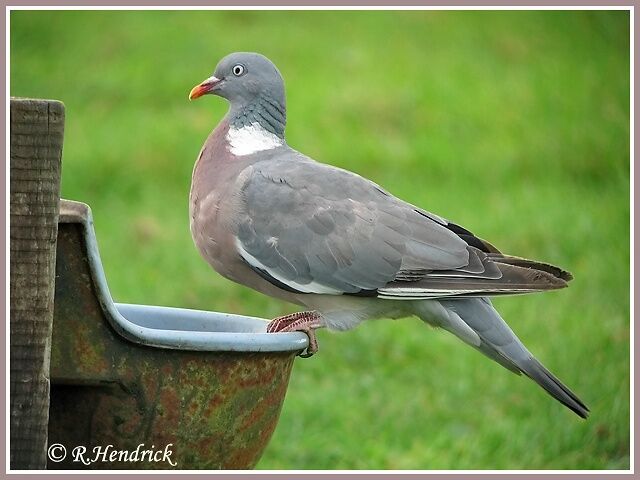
205	87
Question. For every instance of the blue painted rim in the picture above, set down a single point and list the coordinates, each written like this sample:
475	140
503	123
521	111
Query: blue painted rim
176	328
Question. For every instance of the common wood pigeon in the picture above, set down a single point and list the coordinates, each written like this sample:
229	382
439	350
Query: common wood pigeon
267	216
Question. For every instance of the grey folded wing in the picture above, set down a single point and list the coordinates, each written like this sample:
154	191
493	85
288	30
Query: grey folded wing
312	228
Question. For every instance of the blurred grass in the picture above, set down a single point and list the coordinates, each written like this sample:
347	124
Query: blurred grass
513	124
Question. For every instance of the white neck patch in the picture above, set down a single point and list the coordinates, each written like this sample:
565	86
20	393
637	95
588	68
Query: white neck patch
251	139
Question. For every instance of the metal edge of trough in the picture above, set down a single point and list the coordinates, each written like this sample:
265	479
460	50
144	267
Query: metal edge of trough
77	212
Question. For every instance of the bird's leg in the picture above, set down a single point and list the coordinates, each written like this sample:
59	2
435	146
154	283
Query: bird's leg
305	322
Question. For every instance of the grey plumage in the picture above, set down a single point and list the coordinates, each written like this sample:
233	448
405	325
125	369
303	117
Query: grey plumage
498	342
269	217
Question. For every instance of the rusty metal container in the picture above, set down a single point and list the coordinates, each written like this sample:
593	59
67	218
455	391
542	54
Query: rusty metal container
206	387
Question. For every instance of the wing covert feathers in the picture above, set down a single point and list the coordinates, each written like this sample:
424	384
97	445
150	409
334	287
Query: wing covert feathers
311	228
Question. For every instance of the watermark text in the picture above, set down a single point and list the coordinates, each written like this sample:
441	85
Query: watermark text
109	454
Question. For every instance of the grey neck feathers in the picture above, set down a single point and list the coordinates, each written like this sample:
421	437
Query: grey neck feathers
267	111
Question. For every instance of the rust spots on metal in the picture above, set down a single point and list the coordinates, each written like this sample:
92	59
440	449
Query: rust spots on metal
218	410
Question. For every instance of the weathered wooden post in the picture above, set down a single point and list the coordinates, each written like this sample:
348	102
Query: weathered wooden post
37	128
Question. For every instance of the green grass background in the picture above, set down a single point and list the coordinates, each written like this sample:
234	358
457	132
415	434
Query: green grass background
513	124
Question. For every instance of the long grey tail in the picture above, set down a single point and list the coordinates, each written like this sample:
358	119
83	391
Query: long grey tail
476	322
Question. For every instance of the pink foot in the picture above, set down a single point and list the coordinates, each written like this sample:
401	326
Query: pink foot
305	322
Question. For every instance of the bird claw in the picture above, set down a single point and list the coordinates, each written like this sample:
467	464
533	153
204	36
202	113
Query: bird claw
305	322
311	350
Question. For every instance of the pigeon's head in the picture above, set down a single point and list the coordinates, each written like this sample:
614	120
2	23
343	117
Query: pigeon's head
241	77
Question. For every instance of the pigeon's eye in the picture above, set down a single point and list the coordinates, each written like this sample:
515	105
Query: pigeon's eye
238	70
